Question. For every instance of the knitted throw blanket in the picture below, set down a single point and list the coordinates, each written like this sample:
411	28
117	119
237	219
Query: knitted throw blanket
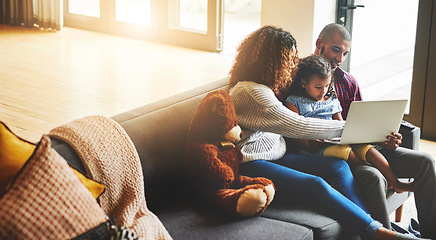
110	158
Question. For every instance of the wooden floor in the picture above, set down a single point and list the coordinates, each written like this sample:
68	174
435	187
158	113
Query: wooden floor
50	78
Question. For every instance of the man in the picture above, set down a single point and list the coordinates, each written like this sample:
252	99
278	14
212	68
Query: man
334	43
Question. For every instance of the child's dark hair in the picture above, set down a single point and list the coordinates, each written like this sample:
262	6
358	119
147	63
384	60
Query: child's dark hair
307	67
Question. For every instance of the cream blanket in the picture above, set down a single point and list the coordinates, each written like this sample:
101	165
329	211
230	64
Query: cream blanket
110	158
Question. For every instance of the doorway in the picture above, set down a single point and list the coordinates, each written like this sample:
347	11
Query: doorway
194	24
383	45
218	25
241	17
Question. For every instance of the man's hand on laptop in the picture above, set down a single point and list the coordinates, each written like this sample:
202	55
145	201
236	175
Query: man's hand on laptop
393	141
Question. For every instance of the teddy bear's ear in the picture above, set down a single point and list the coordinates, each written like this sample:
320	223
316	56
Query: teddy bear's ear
214	117
224	111
221	108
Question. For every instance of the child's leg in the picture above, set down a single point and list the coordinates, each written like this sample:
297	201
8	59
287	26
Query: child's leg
343	152
337	151
375	158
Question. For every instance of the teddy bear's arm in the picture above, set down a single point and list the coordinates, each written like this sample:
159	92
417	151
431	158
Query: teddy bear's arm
205	157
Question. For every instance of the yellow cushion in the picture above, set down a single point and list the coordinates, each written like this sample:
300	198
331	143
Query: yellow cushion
15	152
94	187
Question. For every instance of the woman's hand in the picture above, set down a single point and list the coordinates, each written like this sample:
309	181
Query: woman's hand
393	141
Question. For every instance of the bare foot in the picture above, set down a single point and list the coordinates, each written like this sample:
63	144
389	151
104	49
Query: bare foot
390	186
385	234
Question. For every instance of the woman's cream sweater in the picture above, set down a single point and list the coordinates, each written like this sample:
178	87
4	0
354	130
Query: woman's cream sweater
266	120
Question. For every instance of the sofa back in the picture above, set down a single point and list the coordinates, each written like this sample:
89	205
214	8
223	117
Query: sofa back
159	131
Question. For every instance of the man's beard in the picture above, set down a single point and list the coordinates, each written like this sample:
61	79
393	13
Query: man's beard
322	54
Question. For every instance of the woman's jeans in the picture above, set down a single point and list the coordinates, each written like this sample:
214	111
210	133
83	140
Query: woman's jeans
325	184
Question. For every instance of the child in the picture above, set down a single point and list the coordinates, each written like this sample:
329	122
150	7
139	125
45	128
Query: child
311	96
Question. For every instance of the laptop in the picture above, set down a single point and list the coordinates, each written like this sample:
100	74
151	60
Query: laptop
371	121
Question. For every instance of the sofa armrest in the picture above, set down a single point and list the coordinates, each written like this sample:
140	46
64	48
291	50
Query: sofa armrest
411	135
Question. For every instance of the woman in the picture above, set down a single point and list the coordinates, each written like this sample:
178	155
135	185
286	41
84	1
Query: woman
260	74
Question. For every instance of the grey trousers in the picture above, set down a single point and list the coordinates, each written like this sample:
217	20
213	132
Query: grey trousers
405	163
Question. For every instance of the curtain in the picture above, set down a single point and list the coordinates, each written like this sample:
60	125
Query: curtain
43	14
48	14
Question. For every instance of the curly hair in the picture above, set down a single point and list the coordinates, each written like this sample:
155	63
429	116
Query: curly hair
264	57
307	67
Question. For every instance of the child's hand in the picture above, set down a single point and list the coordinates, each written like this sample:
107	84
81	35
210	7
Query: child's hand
393	141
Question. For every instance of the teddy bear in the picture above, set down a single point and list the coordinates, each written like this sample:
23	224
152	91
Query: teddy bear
212	160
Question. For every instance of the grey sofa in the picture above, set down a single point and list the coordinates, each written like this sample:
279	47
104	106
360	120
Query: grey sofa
158	131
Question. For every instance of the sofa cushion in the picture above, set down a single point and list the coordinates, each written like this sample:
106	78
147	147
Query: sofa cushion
187	223
47	200
323	227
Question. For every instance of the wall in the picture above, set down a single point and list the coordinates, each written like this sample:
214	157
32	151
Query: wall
422	110
303	18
